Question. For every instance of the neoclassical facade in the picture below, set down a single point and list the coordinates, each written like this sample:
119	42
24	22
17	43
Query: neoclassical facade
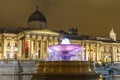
28	43
100	50
34	43
31	43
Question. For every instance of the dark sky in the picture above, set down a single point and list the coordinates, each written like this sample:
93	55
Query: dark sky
91	17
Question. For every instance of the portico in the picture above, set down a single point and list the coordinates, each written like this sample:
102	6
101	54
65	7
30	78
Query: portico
35	42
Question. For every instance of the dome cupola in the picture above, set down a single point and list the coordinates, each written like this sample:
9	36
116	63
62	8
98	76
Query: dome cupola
37	20
37	16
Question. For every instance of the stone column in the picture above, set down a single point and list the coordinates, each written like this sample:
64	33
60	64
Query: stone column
20	48
96	52
87	51
44	46
111	51
31	51
25	48
115	53
50	41
30	57
84	51
41	49
12	49
47	44
4	49
36	47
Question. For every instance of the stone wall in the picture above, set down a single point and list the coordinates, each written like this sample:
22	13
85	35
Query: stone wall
17	67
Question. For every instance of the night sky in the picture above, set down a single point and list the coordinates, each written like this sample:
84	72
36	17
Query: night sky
91	17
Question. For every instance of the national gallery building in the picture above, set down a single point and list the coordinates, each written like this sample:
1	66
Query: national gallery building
31	43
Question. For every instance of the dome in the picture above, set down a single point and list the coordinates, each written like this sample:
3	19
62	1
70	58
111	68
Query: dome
37	16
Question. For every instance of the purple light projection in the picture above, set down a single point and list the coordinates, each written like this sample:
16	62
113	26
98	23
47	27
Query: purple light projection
65	47
65	52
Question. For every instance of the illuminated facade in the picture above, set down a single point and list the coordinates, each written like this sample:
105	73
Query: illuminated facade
32	42
28	43
99	49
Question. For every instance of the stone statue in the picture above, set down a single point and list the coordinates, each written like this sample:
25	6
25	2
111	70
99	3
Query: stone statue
113	35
